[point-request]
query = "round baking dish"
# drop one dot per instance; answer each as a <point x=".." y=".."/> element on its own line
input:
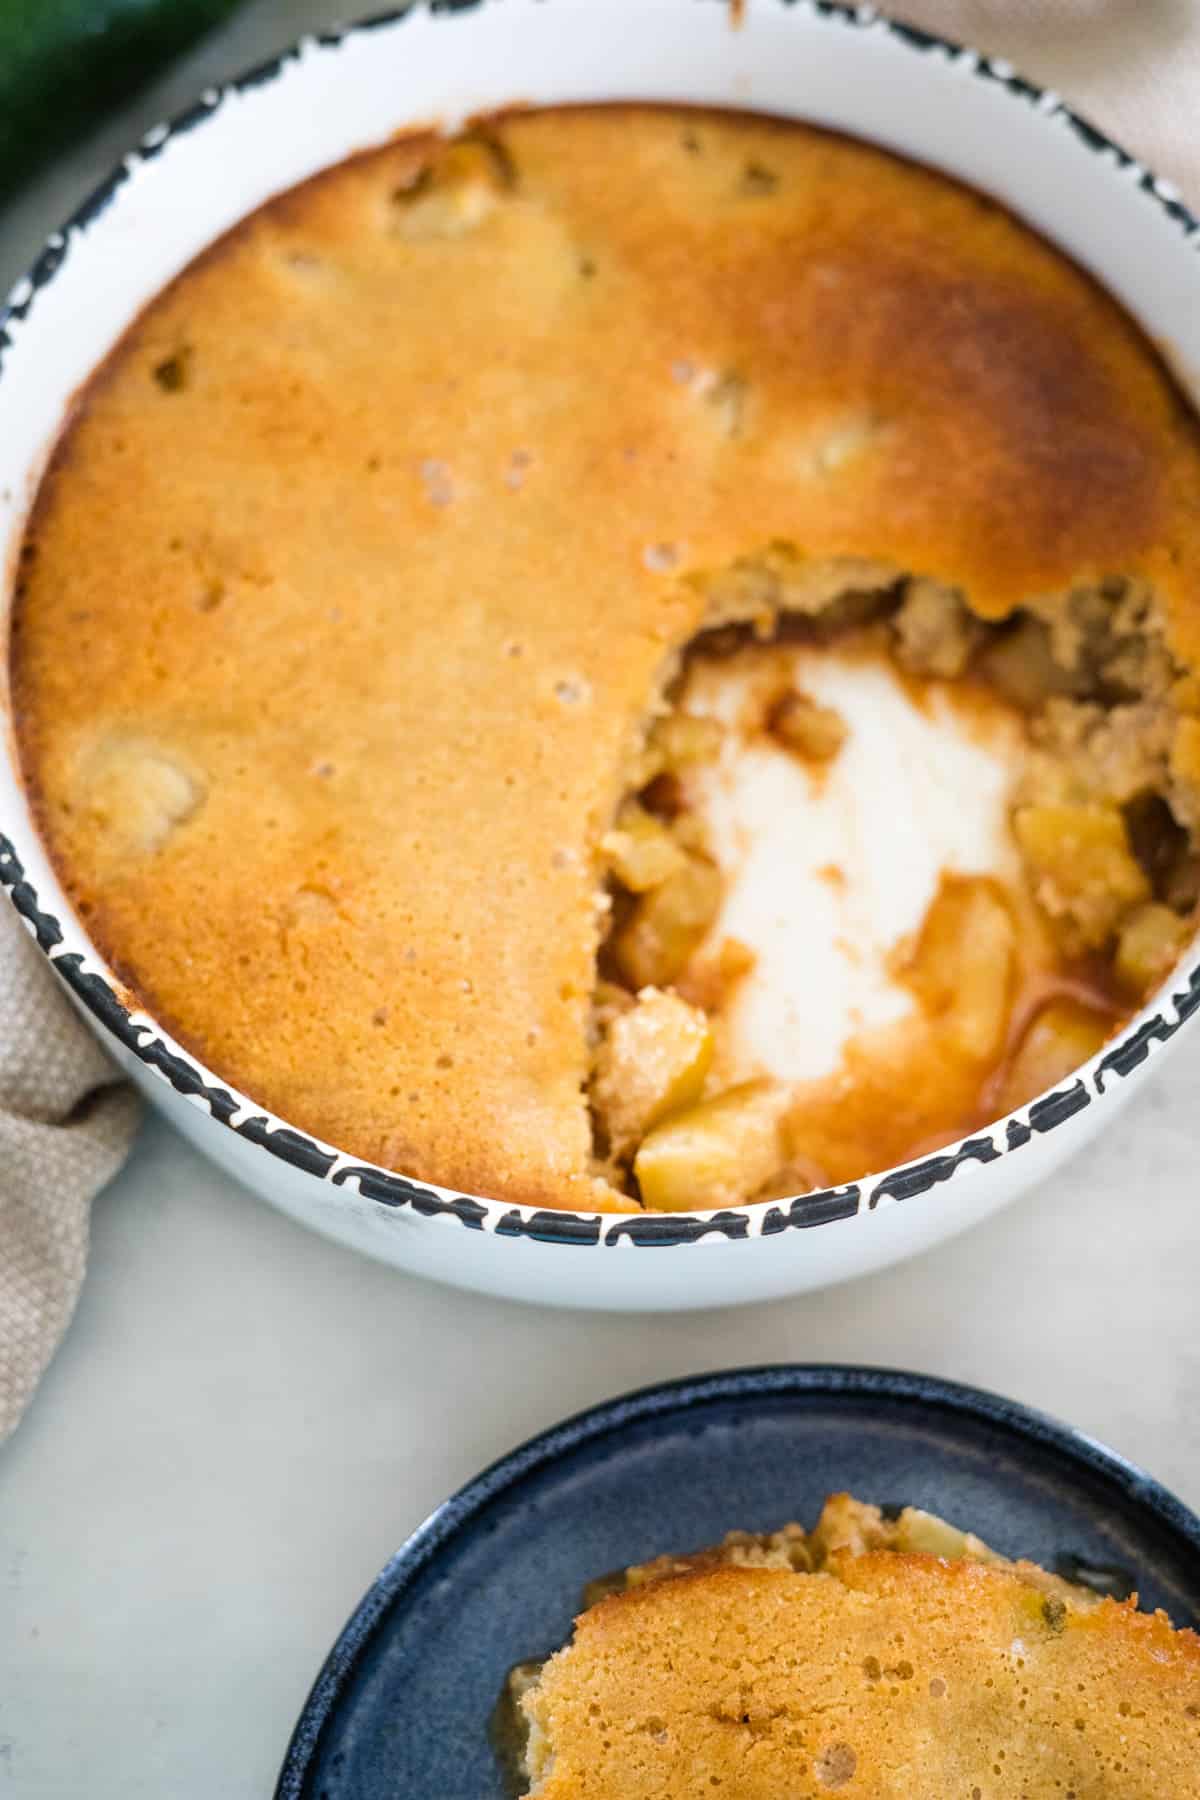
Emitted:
<point x="841" y="67"/>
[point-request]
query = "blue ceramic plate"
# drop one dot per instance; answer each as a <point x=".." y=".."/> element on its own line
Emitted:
<point x="400" y="1710"/>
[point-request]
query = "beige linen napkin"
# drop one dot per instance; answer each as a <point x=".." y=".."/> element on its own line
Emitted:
<point x="1132" y="65"/>
<point x="65" y="1126"/>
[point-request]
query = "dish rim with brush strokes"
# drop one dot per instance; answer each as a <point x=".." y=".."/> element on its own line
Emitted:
<point x="844" y="67"/>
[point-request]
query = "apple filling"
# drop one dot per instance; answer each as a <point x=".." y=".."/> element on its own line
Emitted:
<point x="882" y="872"/>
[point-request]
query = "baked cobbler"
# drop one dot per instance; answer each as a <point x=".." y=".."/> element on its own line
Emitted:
<point x="411" y="590"/>
<point x="887" y="1659"/>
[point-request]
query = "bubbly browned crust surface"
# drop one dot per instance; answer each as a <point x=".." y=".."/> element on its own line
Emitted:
<point x="891" y="1677"/>
<point x="383" y="574"/>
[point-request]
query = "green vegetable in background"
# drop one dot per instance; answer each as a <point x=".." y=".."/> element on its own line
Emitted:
<point x="63" y="63"/>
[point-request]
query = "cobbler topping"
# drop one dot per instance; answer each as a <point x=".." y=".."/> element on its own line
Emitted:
<point x="656" y="1683"/>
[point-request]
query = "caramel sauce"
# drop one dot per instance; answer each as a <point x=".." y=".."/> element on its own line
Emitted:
<point x="907" y="1089"/>
<point x="1086" y="987"/>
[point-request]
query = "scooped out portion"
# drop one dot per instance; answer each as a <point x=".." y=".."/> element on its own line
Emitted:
<point x="633" y="656"/>
<point x="889" y="1659"/>
<point x="898" y="869"/>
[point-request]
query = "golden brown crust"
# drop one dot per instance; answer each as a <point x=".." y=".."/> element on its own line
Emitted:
<point x="392" y="572"/>
<point x="892" y="1677"/>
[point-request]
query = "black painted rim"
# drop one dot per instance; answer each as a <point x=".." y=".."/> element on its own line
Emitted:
<point x="1090" y="1458"/>
<point x="89" y="981"/>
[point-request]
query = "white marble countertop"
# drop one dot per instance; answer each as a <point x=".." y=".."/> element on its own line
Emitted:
<point x="245" y="1421"/>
